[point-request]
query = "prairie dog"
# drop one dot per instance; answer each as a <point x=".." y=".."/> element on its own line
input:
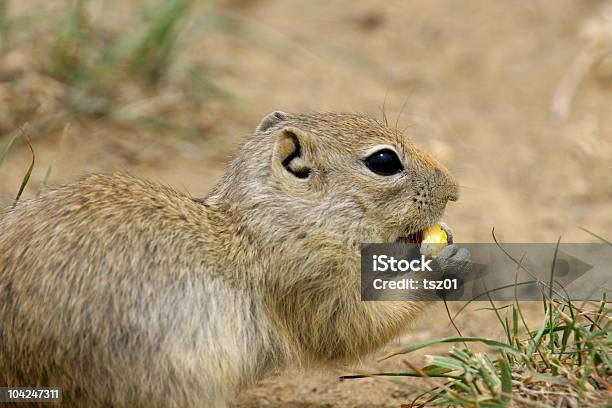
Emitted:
<point x="127" y="293"/>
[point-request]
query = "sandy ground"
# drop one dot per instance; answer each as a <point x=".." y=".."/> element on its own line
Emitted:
<point x="477" y="79"/>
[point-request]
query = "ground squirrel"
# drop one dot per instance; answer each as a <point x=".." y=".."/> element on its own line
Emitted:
<point x="127" y="293"/>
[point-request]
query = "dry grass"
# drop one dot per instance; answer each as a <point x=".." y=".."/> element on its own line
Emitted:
<point x="67" y="63"/>
<point x="566" y="362"/>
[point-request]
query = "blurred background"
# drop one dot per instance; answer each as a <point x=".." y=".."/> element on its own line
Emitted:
<point x="514" y="97"/>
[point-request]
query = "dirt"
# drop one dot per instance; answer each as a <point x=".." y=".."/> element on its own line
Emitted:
<point x="477" y="79"/>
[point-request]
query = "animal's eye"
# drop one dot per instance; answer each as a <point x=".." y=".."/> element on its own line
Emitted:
<point x="384" y="162"/>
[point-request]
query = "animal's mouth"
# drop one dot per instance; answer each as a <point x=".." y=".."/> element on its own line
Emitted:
<point x="418" y="236"/>
<point x="414" y="238"/>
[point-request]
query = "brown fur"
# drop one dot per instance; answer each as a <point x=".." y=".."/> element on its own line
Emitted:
<point x="127" y="293"/>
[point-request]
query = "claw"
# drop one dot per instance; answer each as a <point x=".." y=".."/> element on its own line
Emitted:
<point x="448" y="231"/>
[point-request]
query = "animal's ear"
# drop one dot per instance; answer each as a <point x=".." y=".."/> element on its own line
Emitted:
<point x="270" y="120"/>
<point x="292" y="153"/>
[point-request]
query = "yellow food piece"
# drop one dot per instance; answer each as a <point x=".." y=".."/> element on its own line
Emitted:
<point x="435" y="235"/>
<point x="434" y="240"/>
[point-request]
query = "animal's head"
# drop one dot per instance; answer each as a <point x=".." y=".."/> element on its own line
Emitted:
<point x="343" y="174"/>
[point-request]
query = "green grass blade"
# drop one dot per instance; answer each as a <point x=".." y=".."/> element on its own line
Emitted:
<point x="515" y="322"/>
<point x="550" y="293"/>
<point x="512" y="285"/>
<point x="520" y="265"/>
<point x="552" y="270"/>
<point x="488" y="373"/>
<point x="506" y="378"/>
<point x="450" y="364"/>
<point x="501" y="321"/>
<point x="152" y="52"/>
<point x="402" y="374"/>
<point x="43" y="184"/>
<point x="484" y="340"/>
<point x="10" y="144"/>
<point x="599" y="237"/>
<point x="460" y="355"/>
<point x="26" y="178"/>
<point x="537" y="338"/>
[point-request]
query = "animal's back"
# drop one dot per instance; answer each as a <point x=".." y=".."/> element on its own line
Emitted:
<point x="105" y="284"/>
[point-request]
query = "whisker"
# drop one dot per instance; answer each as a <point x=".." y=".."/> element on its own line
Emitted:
<point x="384" y="104"/>
<point x="463" y="186"/>
<point x="399" y="115"/>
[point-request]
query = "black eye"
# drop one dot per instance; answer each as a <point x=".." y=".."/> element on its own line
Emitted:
<point x="384" y="162"/>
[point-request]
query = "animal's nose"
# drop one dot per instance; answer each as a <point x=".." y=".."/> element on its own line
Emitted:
<point x="447" y="184"/>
